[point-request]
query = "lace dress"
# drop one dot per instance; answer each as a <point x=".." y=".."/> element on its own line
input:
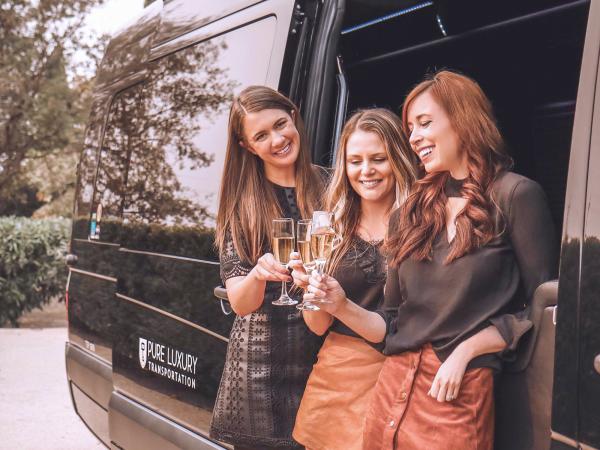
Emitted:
<point x="269" y="358"/>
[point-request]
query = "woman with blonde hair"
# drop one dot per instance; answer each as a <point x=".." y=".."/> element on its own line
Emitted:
<point x="267" y="174"/>
<point x="466" y="251"/>
<point x="374" y="170"/>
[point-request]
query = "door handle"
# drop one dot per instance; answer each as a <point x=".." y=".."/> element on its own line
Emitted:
<point x="221" y="293"/>
<point x="71" y="259"/>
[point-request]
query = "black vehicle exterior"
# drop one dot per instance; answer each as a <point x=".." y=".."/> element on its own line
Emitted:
<point x="148" y="330"/>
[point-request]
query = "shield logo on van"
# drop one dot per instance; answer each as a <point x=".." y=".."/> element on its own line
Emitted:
<point x="143" y="352"/>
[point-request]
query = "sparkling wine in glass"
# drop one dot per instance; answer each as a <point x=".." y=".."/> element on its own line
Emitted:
<point x="303" y="233"/>
<point x="323" y="240"/>
<point x="283" y="245"/>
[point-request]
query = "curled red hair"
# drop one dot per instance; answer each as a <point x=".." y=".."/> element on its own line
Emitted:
<point x="423" y="215"/>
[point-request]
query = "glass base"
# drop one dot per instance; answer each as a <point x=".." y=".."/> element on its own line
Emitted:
<point x="307" y="306"/>
<point x="284" y="301"/>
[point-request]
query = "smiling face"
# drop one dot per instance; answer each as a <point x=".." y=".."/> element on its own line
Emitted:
<point x="368" y="168"/>
<point x="272" y="135"/>
<point x="433" y="138"/>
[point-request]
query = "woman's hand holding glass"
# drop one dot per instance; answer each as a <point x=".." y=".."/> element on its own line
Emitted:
<point x="267" y="268"/>
<point x="325" y="290"/>
<point x="299" y="274"/>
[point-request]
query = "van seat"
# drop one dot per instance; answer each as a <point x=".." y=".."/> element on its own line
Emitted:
<point x="524" y="390"/>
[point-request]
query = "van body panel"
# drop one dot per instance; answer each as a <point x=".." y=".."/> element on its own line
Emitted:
<point x="90" y="384"/>
<point x="182" y="16"/>
<point x="135" y="427"/>
<point x="127" y="51"/>
<point x="95" y="417"/>
<point x="90" y="374"/>
<point x="567" y="395"/>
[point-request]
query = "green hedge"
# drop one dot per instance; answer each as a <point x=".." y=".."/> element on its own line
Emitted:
<point x="32" y="267"/>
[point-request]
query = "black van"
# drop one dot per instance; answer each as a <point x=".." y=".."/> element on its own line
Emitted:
<point x="147" y="328"/>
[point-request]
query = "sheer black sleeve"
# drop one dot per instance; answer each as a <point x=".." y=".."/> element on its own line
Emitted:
<point x="533" y="240"/>
<point x="231" y="264"/>
<point x="392" y="292"/>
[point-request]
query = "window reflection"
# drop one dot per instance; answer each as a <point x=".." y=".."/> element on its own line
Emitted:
<point x="165" y="142"/>
<point x="87" y="171"/>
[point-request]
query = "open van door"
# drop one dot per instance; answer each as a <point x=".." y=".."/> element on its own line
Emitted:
<point x="576" y="398"/>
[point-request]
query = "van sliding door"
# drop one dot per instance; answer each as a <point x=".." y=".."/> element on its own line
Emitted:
<point x="170" y="332"/>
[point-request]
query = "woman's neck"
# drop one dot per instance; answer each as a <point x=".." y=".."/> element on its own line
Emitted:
<point x="374" y="218"/>
<point x="281" y="176"/>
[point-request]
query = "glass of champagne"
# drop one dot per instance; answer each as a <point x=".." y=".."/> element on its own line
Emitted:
<point x="283" y="245"/>
<point x="322" y="240"/>
<point x="303" y="239"/>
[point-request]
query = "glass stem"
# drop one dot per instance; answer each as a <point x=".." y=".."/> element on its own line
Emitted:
<point x="284" y="289"/>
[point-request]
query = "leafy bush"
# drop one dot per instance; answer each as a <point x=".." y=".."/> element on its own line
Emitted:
<point x="32" y="267"/>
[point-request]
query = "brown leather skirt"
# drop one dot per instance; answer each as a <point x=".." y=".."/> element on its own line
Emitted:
<point x="337" y="395"/>
<point x="402" y="416"/>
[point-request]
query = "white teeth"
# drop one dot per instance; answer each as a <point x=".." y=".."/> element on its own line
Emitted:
<point x="426" y="151"/>
<point x="370" y="183"/>
<point x="283" y="151"/>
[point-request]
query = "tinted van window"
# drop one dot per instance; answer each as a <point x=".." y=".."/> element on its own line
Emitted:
<point x="120" y="140"/>
<point x="174" y="131"/>
<point x="87" y="172"/>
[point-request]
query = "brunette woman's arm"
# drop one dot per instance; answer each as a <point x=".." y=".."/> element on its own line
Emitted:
<point x="245" y="284"/>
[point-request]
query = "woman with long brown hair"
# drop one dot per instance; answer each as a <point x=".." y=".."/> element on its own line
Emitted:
<point x="374" y="171"/>
<point x="267" y="174"/>
<point x="466" y="251"/>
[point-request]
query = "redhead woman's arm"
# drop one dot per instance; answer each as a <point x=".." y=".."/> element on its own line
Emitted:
<point x="246" y="293"/>
<point x="447" y="381"/>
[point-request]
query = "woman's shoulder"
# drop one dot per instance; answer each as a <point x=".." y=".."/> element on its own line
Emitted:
<point x="508" y="184"/>
<point x="510" y="187"/>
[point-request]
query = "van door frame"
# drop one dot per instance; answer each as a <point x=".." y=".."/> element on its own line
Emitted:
<point x="565" y="405"/>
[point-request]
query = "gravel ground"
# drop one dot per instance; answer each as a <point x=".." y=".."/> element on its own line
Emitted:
<point x="35" y="407"/>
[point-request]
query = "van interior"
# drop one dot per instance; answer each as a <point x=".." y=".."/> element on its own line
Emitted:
<point x="527" y="58"/>
<point x="525" y="55"/>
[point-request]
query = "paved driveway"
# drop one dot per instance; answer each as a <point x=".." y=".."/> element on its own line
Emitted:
<point x="35" y="407"/>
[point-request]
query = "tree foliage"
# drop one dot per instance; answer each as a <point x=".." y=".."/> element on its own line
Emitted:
<point x="32" y="268"/>
<point x="41" y="110"/>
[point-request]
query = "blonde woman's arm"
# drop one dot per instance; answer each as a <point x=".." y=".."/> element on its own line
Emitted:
<point x="317" y="321"/>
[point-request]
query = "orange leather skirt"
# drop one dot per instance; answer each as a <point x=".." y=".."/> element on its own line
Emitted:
<point x="337" y="395"/>
<point x="402" y="416"/>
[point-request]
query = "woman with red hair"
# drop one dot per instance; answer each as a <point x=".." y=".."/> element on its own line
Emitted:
<point x="465" y="251"/>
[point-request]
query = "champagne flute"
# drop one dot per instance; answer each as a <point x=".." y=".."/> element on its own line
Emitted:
<point x="323" y="239"/>
<point x="283" y="245"/>
<point x="303" y="239"/>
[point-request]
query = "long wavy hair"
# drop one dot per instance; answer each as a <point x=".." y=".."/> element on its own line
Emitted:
<point x="247" y="202"/>
<point x="423" y="214"/>
<point x="341" y="198"/>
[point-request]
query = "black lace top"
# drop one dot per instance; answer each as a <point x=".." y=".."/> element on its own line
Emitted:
<point x="269" y="357"/>
<point x="361" y="274"/>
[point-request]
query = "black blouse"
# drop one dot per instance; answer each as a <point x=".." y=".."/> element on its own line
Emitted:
<point x="444" y="304"/>
<point x="361" y="273"/>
